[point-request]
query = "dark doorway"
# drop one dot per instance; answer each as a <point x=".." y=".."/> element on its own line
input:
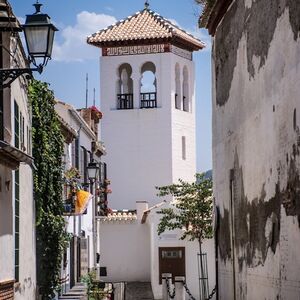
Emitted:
<point x="171" y="260"/>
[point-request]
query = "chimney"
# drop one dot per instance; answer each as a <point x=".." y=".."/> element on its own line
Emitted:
<point x="141" y="206"/>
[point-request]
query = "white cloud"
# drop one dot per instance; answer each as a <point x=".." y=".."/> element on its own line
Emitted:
<point x="73" y="46"/>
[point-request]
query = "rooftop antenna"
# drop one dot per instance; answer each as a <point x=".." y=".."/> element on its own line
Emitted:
<point x="86" y="90"/>
<point x="147" y="4"/>
<point x="94" y="102"/>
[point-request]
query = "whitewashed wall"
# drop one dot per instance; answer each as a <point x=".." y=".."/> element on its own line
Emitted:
<point x="76" y="224"/>
<point x="144" y="145"/>
<point x="125" y="250"/>
<point x="26" y="288"/>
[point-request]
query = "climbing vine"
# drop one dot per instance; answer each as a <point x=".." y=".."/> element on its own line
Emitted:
<point x="47" y="148"/>
<point x="207" y="6"/>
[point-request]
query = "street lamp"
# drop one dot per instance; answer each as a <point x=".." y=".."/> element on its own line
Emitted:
<point x="39" y="35"/>
<point x="92" y="170"/>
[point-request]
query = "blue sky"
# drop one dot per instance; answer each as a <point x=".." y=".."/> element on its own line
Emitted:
<point x="72" y="58"/>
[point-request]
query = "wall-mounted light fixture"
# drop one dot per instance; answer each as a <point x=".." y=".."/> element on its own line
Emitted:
<point x="39" y="35"/>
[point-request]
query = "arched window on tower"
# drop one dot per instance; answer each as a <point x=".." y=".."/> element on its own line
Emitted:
<point x="148" y="86"/>
<point x="185" y="90"/>
<point x="125" y="87"/>
<point x="177" y="87"/>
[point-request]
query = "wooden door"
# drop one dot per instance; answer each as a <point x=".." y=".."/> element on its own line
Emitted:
<point x="171" y="260"/>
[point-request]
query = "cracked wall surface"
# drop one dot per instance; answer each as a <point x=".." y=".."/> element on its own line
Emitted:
<point x="258" y="23"/>
<point x="256" y="149"/>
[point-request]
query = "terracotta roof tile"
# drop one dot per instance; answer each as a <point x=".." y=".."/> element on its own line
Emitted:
<point x="144" y="25"/>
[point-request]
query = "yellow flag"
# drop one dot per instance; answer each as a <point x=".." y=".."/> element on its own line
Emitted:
<point x="82" y="201"/>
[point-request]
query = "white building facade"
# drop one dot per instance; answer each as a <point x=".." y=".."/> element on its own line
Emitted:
<point x="148" y="99"/>
<point x="17" y="208"/>
<point x="80" y="129"/>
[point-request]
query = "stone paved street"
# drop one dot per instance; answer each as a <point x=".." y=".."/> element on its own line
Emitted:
<point x="78" y="292"/>
<point x="138" y="291"/>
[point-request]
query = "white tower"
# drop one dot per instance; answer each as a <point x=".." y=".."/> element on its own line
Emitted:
<point x="148" y="102"/>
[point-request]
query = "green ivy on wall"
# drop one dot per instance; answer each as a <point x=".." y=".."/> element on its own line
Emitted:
<point x="207" y="6"/>
<point x="47" y="148"/>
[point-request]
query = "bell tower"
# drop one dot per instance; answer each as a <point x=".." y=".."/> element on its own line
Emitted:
<point x="148" y="101"/>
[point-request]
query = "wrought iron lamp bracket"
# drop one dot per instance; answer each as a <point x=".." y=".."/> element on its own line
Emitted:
<point x="7" y="76"/>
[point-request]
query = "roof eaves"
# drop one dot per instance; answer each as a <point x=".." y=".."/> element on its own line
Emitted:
<point x="212" y="16"/>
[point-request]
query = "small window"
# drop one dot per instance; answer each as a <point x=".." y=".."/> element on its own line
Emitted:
<point x="17" y="125"/>
<point x="28" y="141"/>
<point x="22" y="132"/>
<point x="171" y="254"/>
<point x="76" y="153"/>
<point x="178" y="87"/>
<point x="183" y="142"/>
<point x="185" y="90"/>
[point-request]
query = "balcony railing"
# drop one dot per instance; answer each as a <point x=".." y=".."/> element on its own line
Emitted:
<point x="69" y="205"/>
<point x="125" y="101"/>
<point x="148" y="100"/>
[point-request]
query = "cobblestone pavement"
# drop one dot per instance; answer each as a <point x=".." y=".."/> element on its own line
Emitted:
<point x="78" y="292"/>
<point x="138" y="291"/>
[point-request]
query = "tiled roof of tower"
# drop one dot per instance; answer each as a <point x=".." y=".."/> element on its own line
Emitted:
<point x="145" y="26"/>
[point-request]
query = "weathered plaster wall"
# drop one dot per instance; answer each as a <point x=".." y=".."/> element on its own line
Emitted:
<point x="256" y="147"/>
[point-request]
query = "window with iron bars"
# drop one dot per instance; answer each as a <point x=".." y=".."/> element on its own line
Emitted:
<point x="148" y="100"/>
<point x="125" y="101"/>
<point x="17" y="125"/>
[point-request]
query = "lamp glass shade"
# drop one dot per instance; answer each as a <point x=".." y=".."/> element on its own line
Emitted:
<point x="92" y="170"/>
<point x="37" y="38"/>
<point x="39" y="34"/>
<point x="50" y="41"/>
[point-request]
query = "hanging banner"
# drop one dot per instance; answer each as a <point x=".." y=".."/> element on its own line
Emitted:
<point x="82" y="201"/>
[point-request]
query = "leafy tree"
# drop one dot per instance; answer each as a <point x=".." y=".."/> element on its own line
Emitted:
<point x="47" y="148"/>
<point x="191" y="211"/>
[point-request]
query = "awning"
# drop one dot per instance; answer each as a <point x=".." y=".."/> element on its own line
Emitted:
<point x="12" y="157"/>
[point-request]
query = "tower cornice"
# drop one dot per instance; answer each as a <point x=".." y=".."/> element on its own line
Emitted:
<point x="144" y="28"/>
